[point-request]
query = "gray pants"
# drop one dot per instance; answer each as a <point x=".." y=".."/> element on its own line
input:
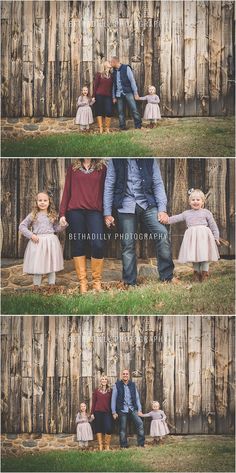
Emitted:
<point x="38" y="279"/>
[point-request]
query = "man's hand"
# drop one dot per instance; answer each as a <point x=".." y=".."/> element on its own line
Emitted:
<point x="109" y="221"/>
<point x="140" y="414"/>
<point x="115" y="416"/>
<point x="35" y="238"/>
<point x="114" y="100"/>
<point x="163" y="217"/>
<point x="63" y="221"/>
<point x="136" y="96"/>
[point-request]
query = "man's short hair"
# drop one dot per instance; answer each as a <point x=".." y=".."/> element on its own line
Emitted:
<point x="115" y="58"/>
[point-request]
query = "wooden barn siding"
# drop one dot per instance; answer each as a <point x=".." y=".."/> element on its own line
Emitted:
<point x="50" y="364"/>
<point x="50" y="49"/>
<point x="23" y="178"/>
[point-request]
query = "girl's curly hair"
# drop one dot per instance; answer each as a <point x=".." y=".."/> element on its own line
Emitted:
<point x="51" y="211"/>
<point x="96" y="163"/>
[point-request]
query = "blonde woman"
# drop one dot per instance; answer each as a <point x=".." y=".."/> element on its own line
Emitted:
<point x="101" y="409"/>
<point x="102" y="93"/>
<point x="82" y="206"/>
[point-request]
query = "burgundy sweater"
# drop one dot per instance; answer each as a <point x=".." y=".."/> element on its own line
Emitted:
<point x="83" y="191"/>
<point x="101" y="402"/>
<point x="102" y="85"/>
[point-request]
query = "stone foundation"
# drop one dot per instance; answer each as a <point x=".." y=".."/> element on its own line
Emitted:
<point x="23" y="444"/>
<point x="26" y="126"/>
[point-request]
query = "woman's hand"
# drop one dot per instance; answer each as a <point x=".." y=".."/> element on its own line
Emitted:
<point x="115" y="416"/>
<point x="109" y="221"/>
<point x="35" y="238"/>
<point x="63" y="221"/>
<point x="114" y="100"/>
<point x="92" y="417"/>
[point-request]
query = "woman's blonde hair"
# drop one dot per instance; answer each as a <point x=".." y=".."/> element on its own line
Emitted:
<point x="103" y="68"/>
<point x="193" y="192"/>
<point x="96" y="163"/>
<point x="51" y="211"/>
<point x="107" y="385"/>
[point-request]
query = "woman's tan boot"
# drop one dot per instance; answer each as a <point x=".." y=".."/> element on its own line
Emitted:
<point x="107" y="124"/>
<point x="99" y="439"/>
<point x="107" y="441"/>
<point x="97" y="269"/>
<point x="81" y="271"/>
<point x="99" y="122"/>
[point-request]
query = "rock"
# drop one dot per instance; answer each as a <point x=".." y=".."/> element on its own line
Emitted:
<point x="43" y="128"/>
<point x="64" y="436"/>
<point x="36" y="436"/>
<point x="31" y="127"/>
<point x="12" y="436"/>
<point x="12" y="120"/>
<point x="63" y="119"/>
<point x="22" y="281"/>
<point x="8" y="128"/>
<point x="5" y="273"/>
<point x="37" y="119"/>
<point x="73" y="127"/>
<point x="29" y="443"/>
<point x="147" y="271"/>
<point x="7" y="444"/>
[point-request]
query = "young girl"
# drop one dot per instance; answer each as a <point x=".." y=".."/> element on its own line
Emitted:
<point x="43" y="254"/>
<point x="159" y="426"/>
<point x="201" y="238"/>
<point x="84" y="431"/>
<point x="152" y="110"/>
<point x="84" y="116"/>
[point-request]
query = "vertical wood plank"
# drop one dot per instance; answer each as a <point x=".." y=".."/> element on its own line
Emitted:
<point x="15" y="375"/>
<point x="179" y="201"/>
<point x="6" y="55"/>
<point x="190" y="59"/>
<point x="227" y="61"/>
<point x="16" y="61"/>
<point x="165" y="58"/>
<point x="112" y="38"/>
<point x="112" y="348"/>
<point x="215" y="46"/>
<point x="9" y="202"/>
<point x="181" y="376"/>
<point x="75" y="54"/>
<point x="203" y="99"/>
<point x="5" y="372"/>
<point x="194" y="367"/>
<point x="231" y="389"/>
<point x="177" y="59"/>
<point x="28" y="171"/>
<point x="38" y="374"/>
<point x="169" y="368"/>
<point x="221" y="372"/>
<point x="52" y="60"/>
<point x="208" y="376"/>
<point x="39" y="59"/>
<point x="50" y="382"/>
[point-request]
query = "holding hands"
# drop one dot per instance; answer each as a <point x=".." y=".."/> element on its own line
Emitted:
<point x="163" y="217"/>
<point x="63" y="221"/>
<point x="109" y="221"/>
<point x="115" y="416"/>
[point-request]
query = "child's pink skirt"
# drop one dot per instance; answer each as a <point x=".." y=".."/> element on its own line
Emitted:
<point x="198" y="245"/>
<point x="43" y="257"/>
<point x="159" y="428"/>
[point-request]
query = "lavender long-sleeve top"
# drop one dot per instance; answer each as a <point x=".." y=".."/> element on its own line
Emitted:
<point x="83" y="101"/>
<point x="80" y="419"/>
<point x="42" y="225"/>
<point x="156" y="415"/>
<point x="150" y="98"/>
<point x="197" y="217"/>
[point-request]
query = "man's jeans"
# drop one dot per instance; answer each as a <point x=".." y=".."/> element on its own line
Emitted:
<point x="123" y="417"/>
<point x="121" y="103"/>
<point x="128" y="229"/>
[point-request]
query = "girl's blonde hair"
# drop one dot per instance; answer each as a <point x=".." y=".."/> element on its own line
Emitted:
<point x="108" y="388"/>
<point x="152" y="87"/>
<point x="96" y="163"/>
<point x="51" y="211"/>
<point x="155" y="402"/>
<point x="193" y="192"/>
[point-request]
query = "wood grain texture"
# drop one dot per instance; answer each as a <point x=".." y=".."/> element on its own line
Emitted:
<point x="50" y="49"/>
<point x="186" y="363"/>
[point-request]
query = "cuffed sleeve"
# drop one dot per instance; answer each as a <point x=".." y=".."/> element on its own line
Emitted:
<point x="132" y="81"/>
<point x="212" y="225"/>
<point x="109" y="189"/>
<point x="66" y="193"/>
<point x="24" y="227"/>
<point x="159" y="189"/>
<point x="176" y="218"/>
<point x="113" y="399"/>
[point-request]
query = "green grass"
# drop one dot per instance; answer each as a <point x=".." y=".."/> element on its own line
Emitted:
<point x="184" y="454"/>
<point x="190" y="137"/>
<point x="215" y="296"/>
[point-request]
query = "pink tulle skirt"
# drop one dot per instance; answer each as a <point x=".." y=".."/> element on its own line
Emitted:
<point x="198" y="245"/>
<point x="43" y="257"/>
<point x="159" y="428"/>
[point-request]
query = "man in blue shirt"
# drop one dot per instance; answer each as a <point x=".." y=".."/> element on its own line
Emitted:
<point x="125" y="92"/>
<point x="134" y="188"/>
<point x="125" y="403"/>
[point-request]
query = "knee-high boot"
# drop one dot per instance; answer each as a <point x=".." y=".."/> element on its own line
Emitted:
<point x="81" y="271"/>
<point x="97" y="269"/>
<point x="99" y="122"/>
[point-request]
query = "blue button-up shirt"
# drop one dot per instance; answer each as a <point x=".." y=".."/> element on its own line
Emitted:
<point x="128" y="405"/>
<point x="134" y="190"/>
<point x="119" y="89"/>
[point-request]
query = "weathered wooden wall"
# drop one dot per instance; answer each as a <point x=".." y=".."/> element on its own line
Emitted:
<point x="50" y="49"/>
<point x="50" y="364"/>
<point x="23" y="178"/>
